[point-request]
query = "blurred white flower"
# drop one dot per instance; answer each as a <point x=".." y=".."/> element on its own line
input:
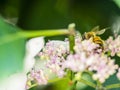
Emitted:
<point x="14" y="82"/>
<point x="33" y="46"/>
<point x="17" y="81"/>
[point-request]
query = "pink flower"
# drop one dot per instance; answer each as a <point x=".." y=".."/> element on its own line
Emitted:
<point x="78" y="62"/>
<point x="55" y="52"/>
<point x="104" y="67"/>
<point x="86" y="46"/>
<point x="37" y="76"/>
<point x="87" y="56"/>
<point x="113" y="46"/>
<point x="55" y="48"/>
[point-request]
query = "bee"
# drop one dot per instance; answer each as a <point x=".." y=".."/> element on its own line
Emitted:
<point x="93" y="35"/>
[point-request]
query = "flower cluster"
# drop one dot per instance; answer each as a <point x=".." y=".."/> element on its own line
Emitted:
<point x="55" y="55"/>
<point x="113" y="45"/>
<point x="87" y="56"/>
<point x="36" y="76"/>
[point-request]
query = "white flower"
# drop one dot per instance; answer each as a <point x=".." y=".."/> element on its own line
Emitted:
<point x="17" y="81"/>
<point x="14" y="82"/>
<point x="33" y="46"/>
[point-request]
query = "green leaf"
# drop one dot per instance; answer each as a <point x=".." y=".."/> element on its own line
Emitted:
<point x="82" y="86"/>
<point x="57" y="84"/>
<point x="117" y="2"/>
<point x="112" y="80"/>
<point x="11" y="53"/>
<point x="63" y="84"/>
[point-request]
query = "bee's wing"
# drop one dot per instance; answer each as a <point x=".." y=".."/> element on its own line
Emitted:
<point x="95" y="29"/>
<point x="102" y="31"/>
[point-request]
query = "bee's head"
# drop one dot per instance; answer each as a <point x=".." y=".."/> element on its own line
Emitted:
<point x="88" y="35"/>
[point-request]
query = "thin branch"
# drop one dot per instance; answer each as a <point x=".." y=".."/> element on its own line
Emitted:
<point x="113" y="86"/>
<point x="28" y="34"/>
<point x="87" y="83"/>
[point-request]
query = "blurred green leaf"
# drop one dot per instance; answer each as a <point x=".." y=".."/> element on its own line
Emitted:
<point x="117" y="2"/>
<point x="63" y="84"/>
<point x="11" y="53"/>
<point x="60" y="84"/>
<point x="112" y="80"/>
<point x="82" y="86"/>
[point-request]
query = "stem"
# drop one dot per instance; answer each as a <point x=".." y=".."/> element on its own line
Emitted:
<point x="9" y="38"/>
<point x="113" y="86"/>
<point x="99" y="84"/>
<point x="71" y="29"/>
<point x="90" y="73"/>
<point x="49" y="81"/>
<point x="28" y="34"/>
<point x="71" y="40"/>
<point x="34" y="85"/>
<point x="87" y="83"/>
<point x="56" y="79"/>
<point x="74" y="86"/>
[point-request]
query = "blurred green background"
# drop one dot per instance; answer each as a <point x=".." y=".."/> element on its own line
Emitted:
<point x="54" y="14"/>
